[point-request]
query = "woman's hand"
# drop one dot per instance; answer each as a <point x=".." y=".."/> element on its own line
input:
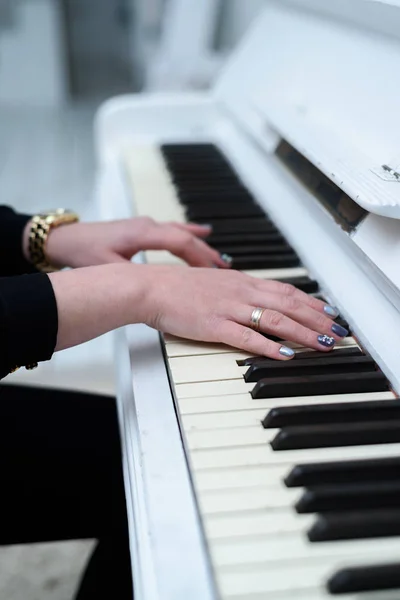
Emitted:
<point x="87" y="244"/>
<point x="200" y="304"/>
<point x="216" y="306"/>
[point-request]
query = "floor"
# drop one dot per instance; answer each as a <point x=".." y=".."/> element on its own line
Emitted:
<point x="47" y="161"/>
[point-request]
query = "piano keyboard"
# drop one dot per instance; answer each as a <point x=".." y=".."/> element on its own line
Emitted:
<point x="295" y="464"/>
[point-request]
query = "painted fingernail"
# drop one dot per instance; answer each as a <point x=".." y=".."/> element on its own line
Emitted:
<point x="326" y="340"/>
<point x="285" y="351"/>
<point x="227" y="259"/>
<point x="206" y="225"/>
<point x="339" y="330"/>
<point x="331" y="311"/>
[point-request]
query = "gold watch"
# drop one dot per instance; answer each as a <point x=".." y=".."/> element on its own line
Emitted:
<point x="41" y="226"/>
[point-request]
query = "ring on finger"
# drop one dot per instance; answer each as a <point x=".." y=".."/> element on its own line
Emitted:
<point x="256" y="318"/>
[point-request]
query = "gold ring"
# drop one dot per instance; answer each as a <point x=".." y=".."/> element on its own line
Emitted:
<point x="256" y="318"/>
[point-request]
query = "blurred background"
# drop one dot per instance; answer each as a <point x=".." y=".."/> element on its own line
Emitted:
<point x="59" y="60"/>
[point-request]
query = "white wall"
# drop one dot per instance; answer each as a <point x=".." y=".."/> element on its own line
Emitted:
<point x="32" y="65"/>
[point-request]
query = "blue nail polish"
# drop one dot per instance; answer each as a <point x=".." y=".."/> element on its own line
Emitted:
<point x="227" y="258"/>
<point x="285" y="351"/>
<point x="331" y="311"/>
<point x="326" y="340"/>
<point x="339" y="330"/>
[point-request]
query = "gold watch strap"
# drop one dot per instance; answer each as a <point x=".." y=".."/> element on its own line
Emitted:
<point x="39" y="233"/>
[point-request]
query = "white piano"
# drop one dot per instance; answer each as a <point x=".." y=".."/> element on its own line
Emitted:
<point x="306" y="118"/>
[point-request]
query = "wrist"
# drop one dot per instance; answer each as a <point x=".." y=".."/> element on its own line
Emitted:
<point x="61" y="243"/>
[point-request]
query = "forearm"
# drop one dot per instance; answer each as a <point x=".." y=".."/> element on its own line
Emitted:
<point x="94" y="300"/>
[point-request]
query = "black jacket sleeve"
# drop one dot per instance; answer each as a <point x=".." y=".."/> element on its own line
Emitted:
<point x="28" y="309"/>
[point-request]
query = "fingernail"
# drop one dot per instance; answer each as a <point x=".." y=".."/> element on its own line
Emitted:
<point x="326" y="340"/>
<point x="331" y="311"/>
<point x="227" y="258"/>
<point x="285" y="351"/>
<point x="339" y="330"/>
<point x="206" y="225"/>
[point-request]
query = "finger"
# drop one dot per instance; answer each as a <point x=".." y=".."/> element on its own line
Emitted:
<point x="296" y="309"/>
<point x="276" y="323"/>
<point x="252" y="342"/>
<point x="285" y="289"/>
<point x="201" y="231"/>
<point x="194" y="251"/>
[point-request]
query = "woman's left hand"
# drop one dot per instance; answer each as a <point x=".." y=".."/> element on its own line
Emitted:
<point x="87" y="244"/>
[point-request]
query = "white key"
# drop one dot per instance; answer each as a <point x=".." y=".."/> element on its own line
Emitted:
<point x="245" y="582"/>
<point x="233" y="525"/>
<point x="242" y="410"/>
<point x="178" y="347"/>
<point x="236" y="437"/>
<point x="213" y="388"/>
<point x="245" y="500"/>
<point x="278" y="273"/>
<point x="264" y="455"/>
<point x="189" y="369"/>
<point x="291" y="548"/>
<point x="241" y="477"/>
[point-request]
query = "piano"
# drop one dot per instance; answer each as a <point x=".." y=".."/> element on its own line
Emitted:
<point x="245" y="479"/>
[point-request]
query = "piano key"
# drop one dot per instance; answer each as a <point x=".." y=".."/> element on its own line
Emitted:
<point x="199" y="368"/>
<point x="279" y="550"/>
<point x="337" y="434"/>
<point x="304" y="580"/>
<point x="245" y="500"/>
<point x="319" y="366"/>
<point x="241" y="477"/>
<point x="275" y="273"/>
<point x="254" y="523"/>
<point x="265" y="261"/>
<point x="337" y="352"/>
<point x="353" y="412"/>
<point x="305" y="284"/>
<point x="357" y="496"/>
<point x="234" y="239"/>
<point x="365" y="579"/>
<point x="319" y="384"/>
<point x="250" y="225"/>
<point x="264" y="455"/>
<point x="209" y="212"/>
<point x="355" y="525"/>
<point x="384" y="469"/>
<point x="227" y="405"/>
<point x="256" y="249"/>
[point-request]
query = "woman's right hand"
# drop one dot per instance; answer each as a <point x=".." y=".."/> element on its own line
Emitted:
<point x="216" y="306"/>
<point x="209" y="305"/>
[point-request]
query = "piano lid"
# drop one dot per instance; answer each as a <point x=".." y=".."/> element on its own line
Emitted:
<point x="325" y="79"/>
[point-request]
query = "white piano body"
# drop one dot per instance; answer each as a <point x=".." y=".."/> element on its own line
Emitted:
<point x="324" y="78"/>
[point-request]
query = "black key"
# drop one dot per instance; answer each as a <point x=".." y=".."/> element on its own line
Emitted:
<point x="315" y="385"/>
<point x="342" y="412"/>
<point x="221" y="195"/>
<point x="219" y="241"/>
<point x="309" y="286"/>
<point x="253" y="225"/>
<point x="257" y="249"/>
<point x="220" y="211"/>
<point x="264" y="261"/>
<point x="365" y="579"/>
<point x="329" y="364"/>
<point x="355" y="525"/>
<point x="346" y="471"/>
<point x="337" y="435"/>
<point x="341" y="498"/>
<point x="314" y="354"/>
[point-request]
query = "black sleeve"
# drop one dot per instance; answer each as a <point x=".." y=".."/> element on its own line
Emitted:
<point x="28" y="321"/>
<point x="12" y="260"/>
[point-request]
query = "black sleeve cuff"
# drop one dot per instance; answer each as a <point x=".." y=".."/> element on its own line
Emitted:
<point x="12" y="259"/>
<point x="28" y="321"/>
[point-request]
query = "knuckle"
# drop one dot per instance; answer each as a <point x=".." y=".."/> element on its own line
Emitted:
<point x="322" y="324"/>
<point x="273" y="319"/>
<point x="288" y="290"/>
<point x="291" y="304"/>
<point x="247" y="338"/>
